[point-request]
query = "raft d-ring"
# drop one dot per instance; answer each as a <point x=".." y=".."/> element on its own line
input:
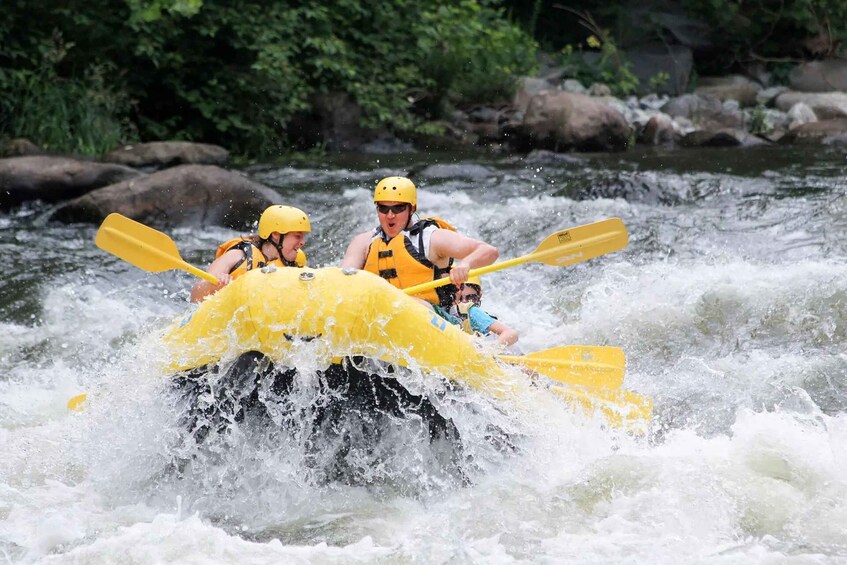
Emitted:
<point x="270" y="268"/>
<point x="307" y="276"/>
<point x="349" y="271"/>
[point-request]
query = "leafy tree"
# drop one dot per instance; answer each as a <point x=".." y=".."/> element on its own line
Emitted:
<point x="236" y="72"/>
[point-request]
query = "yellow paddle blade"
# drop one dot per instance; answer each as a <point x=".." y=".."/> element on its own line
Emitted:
<point x="565" y="247"/>
<point x="77" y="403"/>
<point x="620" y="408"/>
<point x="144" y="247"/>
<point x="592" y="366"/>
<point x="582" y="243"/>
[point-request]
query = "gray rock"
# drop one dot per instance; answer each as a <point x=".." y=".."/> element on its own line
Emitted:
<point x="691" y="105"/>
<point x="186" y="194"/>
<point x="464" y="170"/>
<point x="819" y="76"/>
<point x="573" y="85"/>
<point x="162" y="154"/>
<point x="658" y="130"/>
<point x="733" y="87"/>
<point x="767" y="96"/>
<point x="823" y="132"/>
<point x="52" y="179"/>
<point x="599" y="89"/>
<point x="527" y="88"/>
<point x="826" y="105"/>
<point x="800" y="114"/>
<point x="563" y="120"/>
<point x="20" y="147"/>
<point x="720" y="138"/>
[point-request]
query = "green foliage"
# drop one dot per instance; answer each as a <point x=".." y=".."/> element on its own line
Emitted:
<point x="773" y="31"/>
<point x="610" y="68"/>
<point x="83" y="114"/>
<point x="241" y="72"/>
<point x="658" y="80"/>
<point x="758" y="121"/>
<point x="470" y="55"/>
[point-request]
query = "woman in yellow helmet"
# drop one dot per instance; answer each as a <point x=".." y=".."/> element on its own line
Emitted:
<point x="282" y="232"/>
<point x="407" y="252"/>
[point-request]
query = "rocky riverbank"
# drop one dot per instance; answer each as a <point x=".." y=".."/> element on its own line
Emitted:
<point x="172" y="182"/>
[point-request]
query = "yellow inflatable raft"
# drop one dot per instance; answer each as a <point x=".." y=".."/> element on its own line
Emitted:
<point x="348" y="313"/>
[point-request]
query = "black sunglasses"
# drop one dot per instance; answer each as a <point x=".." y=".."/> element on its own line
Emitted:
<point x="470" y="298"/>
<point x="397" y="208"/>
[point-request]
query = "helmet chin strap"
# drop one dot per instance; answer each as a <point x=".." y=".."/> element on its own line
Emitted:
<point x="277" y="246"/>
<point x="412" y="210"/>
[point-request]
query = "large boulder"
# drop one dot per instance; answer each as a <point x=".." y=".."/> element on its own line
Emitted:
<point x="733" y="87"/>
<point x="825" y="132"/>
<point x="187" y="194"/>
<point x="726" y="137"/>
<point x="162" y="154"/>
<point x="658" y="130"/>
<point x="706" y="111"/>
<point x="819" y="76"/>
<point x="52" y="179"/>
<point x="21" y="147"/>
<point x="563" y="120"/>
<point x="826" y="105"/>
<point x="526" y="89"/>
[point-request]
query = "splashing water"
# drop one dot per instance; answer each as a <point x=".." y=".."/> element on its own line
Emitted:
<point x="730" y="302"/>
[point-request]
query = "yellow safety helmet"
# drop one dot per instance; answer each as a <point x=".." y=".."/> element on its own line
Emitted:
<point x="396" y="189"/>
<point x="283" y="219"/>
<point x="474" y="280"/>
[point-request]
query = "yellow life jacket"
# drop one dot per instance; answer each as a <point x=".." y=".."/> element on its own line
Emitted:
<point x="402" y="260"/>
<point x="254" y="258"/>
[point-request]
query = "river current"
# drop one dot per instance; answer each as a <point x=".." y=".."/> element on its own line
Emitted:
<point x="730" y="302"/>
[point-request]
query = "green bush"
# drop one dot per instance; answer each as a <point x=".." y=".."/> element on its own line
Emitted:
<point x="471" y="55"/>
<point x="81" y="114"/>
<point x="774" y="31"/>
<point x="237" y="72"/>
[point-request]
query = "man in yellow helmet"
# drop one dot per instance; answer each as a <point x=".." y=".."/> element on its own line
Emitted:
<point x="282" y="232"/>
<point x="406" y="252"/>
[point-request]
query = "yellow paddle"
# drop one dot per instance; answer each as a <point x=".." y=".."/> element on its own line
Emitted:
<point x="621" y="408"/>
<point x="153" y="251"/>
<point x="565" y="247"/>
<point x="583" y="365"/>
<point x="77" y="403"/>
<point x="143" y="246"/>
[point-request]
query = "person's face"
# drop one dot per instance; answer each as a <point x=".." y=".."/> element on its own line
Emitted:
<point x="468" y="293"/>
<point x="293" y="241"/>
<point x="393" y="216"/>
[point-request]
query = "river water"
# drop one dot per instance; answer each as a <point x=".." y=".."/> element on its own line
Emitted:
<point x="730" y="302"/>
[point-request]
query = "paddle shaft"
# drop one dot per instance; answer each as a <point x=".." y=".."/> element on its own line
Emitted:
<point x="536" y="256"/>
